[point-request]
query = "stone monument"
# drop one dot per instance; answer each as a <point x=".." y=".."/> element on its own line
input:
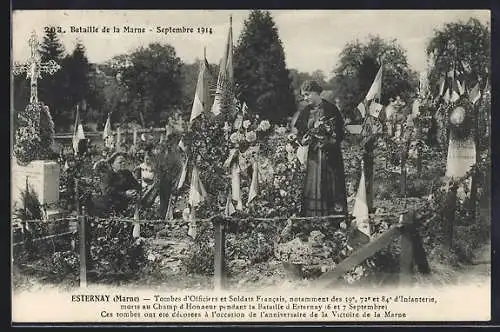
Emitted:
<point x="28" y="165"/>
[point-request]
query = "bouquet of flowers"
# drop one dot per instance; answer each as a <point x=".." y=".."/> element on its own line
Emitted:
<point x="248" y="132"/>
<point x="320" y="132"/>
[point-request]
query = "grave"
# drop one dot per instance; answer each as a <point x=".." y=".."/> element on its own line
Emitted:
<point x="42" y="176"/>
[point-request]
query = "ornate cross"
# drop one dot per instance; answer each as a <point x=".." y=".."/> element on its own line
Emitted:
<point x="34" y="67"/>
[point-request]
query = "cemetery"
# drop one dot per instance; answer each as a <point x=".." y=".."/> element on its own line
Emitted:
<point x="224" y="205"/>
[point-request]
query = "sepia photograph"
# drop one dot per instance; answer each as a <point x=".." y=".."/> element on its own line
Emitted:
<point x="250" y="165"/>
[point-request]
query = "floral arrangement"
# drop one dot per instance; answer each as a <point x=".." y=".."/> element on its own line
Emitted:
<point x="34" y="135"/>
<point x="247" y="136"/>
<point x="320" y="132"/>
<point x="460" y="118"/>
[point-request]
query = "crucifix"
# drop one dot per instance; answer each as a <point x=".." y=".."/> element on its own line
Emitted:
<point x="34" y="67"/>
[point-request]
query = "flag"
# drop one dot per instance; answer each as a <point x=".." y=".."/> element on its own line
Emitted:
<point x="455" y="91"/>
<point x="360" y="210"/>
<point x="375" y="109"/>
<point x="223" y="93"/>
<point x="107" y="134"/>
<point x="254" y="185"/>
<point x="197" y="191"/>
<point x="376" y="88"/>
<point x="229" y="207"/>
<point x="442" y="82"/>
<point x="235" y="186"/>
<point x="182" y="178"/>
<point x="78" y="133"/>
<point x="362" y="110"/>
<point x="201" y="96"/>
<point x="475" y="94"/>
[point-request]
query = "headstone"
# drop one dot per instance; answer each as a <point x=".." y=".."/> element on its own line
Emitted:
<point x="43" y="176"/>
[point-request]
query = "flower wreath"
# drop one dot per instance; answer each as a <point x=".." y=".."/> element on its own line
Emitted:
<point x="460" y="118"/>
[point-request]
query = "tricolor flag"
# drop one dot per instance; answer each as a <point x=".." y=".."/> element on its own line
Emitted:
<point x="78" y="133"/>
<point x="376" y="88"/>
<point x="197" y="191"/>
<point x="254" y="185"/>
<point x="360" y="210"/>
<point x="229" y="207"/>
<point x="475" y="94"/>
<point x="201" y="97"/>
<point x="224" y="91"/>
<point x="107" y="134"/>
<point x="235" y="186"/>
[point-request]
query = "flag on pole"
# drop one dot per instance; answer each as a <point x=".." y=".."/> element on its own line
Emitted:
<point x="229" y="206"/>
<point x="376" y="88"/>
<point x="442" y="82"/>
<point x="78" y="133"/>
<point x="362" y="110"/>
<point x="107" y="134"/>
<point x="254" y="185"/>
<point x="224" y="91"/>
<point x="197" y="191"/>
<point x="475" y="93"/>
<point x="235" y="186"/>
<point x="360" y="210"/>
<point x="201" y="96"/>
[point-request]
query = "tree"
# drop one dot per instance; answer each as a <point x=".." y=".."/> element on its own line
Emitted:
<point x="52" y="88"/>
<point x="153" y="81"/>
<point x="77" y="71"/>
<point x="358" y="66"/>
<point x="262" y="80"/>
<point x="461" y="46"/>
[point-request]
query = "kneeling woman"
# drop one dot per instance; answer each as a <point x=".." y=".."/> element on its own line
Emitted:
<point x="118" y="188"/>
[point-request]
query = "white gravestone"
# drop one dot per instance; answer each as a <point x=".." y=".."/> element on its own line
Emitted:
<point x="42" y="175"/>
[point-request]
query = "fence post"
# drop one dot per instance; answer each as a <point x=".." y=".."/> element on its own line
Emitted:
<point x="406" y="243"/>
<point x="136" y="231"/>
<point x="219" y="256"/>
<point x="449" y="215"/>
<point x="82" y="220"/>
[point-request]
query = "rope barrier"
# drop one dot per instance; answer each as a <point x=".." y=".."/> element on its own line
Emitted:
<point x="334" y="216"/>
<point x="48" y="237"/>
<point x="47" y="220"/>
<point x="210" y="219"/>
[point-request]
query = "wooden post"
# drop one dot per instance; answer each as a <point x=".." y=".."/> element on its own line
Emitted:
<point x="404" y="157"/>
<point x="82" y="220"/>
<point x="473" y="185"/>
<point x="368" y="168"/>
<point x="407" y="254"/>
<point x="77" y="196"/>
<point x="118" y="146"/>
<point x="135" y="139"/>
<point x="136" y="231"/>
<point x="219" y="256"/>
<point x="449" y="216"/>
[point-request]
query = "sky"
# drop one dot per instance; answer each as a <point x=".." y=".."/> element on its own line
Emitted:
<point x="312" y="39"/>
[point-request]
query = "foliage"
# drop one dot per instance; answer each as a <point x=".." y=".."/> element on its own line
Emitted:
<point x="114" y="253"/>
<point x="261" y="77"/>
<point x="463" y="46"/>
<point x="359" y="63"/>
<point x="200" y="258"/>
<point x="34" y="134"/>
<point x="31" y="208"/>
<point x="153" y="83"/>
<point x="76" y="71"/>
<point x="53" y="88"/>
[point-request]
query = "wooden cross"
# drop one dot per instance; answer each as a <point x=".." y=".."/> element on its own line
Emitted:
<point x="34" y="67"/>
